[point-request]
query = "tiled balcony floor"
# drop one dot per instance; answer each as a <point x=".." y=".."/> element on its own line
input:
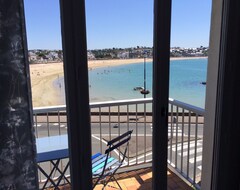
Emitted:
<point x="141" y="180"/>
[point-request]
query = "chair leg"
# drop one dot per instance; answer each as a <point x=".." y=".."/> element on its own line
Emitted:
<point x="117" y="183"/>
<point x="94" y="185"/>
<point x="112" y="176"/>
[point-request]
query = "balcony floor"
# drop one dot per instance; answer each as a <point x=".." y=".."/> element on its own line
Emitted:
<point x="141" y="180"/>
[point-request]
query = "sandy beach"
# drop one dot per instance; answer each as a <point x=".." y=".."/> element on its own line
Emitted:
<point x="43" y="75"/>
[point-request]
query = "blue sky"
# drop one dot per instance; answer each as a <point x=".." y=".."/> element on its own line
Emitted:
<point x="119" y="23"/>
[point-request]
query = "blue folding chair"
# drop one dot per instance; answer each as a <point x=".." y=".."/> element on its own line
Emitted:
<point x="104" y="166"/>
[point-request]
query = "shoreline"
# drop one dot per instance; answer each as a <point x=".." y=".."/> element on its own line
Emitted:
<point x="45" y="93"/>
<point x="92" y="64"/>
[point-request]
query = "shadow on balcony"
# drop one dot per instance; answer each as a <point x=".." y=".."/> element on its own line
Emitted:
<point x="140" y="180"/>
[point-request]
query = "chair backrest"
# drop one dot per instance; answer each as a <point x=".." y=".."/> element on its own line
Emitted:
<point x="119" y="141"/>
<point x="110" y="161"/>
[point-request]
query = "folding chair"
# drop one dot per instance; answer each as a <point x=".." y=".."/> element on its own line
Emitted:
<point x="104" y="166"/>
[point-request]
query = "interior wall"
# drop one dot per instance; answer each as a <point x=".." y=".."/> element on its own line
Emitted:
<point x="211" y="93"/>
<point x="221" y="153"/>
<point x="226" y="165"/>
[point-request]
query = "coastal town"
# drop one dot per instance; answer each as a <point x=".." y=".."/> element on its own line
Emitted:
<point x="45" y="56"/>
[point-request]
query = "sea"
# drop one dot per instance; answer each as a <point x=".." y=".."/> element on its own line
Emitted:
<point x="118" y="82"/>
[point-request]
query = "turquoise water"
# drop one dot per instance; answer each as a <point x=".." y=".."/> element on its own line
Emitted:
<point x="117" y="83"/>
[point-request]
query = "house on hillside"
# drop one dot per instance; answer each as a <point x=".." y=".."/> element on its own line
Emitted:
<point x="90" y="55"/>
<point x="32" y="57"/>
<point x="123" y="55"/>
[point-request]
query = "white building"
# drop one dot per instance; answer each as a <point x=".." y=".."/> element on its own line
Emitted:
<point x="123" y="55"/>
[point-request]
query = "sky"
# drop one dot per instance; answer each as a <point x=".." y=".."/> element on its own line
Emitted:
<point x="119" y="23"/>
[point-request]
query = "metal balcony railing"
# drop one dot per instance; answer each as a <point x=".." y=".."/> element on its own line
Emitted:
<point x="185" y="131"/>
<point x="110" y="119"/>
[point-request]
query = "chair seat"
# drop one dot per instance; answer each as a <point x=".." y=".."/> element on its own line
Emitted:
<point x="98" y="162"/>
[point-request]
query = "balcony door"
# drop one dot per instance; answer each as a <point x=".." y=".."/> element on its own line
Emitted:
<point x="75" y="63"/>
